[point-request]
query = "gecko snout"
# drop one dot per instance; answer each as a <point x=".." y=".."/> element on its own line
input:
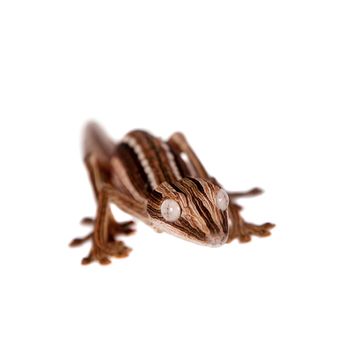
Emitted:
<point x="218" y="239"/>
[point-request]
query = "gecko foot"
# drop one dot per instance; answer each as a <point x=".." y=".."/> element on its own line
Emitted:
<point x="91" y="258"/>
<point x="249" y="230"/>
<point x="116" y="228"/>
<point x="112" y="247"/>
<point x="116" y="249"/>
<point x="80" y="240"/>
<point x="243" y="230"/>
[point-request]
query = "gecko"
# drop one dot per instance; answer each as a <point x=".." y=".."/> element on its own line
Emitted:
<point x="164" y="185"/>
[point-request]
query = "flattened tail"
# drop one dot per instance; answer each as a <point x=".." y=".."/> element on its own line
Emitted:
<point x="96" y="141"/>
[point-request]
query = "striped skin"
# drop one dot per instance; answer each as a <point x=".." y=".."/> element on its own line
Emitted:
<point x="145" y="168"/>
<point x="138" y="174"/>
<point x="201" y="220"/>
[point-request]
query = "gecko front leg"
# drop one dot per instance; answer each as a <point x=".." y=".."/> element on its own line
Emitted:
<point x="104" y="244"/>
<point x="239" y="228"/>
<point x="104" y="241"/>
<point x="243" y="230"/>
<point x="106" y="228"/>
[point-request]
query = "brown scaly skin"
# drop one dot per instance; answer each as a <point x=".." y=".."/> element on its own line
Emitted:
<point x="118" y="177"/>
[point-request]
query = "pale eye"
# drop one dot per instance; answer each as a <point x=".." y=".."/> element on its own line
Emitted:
<point x="222" y="200"/>
<point x="170" y="210"/>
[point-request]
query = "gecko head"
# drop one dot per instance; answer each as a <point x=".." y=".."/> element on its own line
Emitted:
<point x="192" y="209"/>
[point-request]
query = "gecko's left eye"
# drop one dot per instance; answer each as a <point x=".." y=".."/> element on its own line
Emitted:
<point x="222" y="200"/>
<point x="170" y="210"/>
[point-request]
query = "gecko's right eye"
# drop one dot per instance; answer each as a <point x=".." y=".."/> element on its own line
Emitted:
<point x="170" y="210"/>
<point x="222" y="200"/>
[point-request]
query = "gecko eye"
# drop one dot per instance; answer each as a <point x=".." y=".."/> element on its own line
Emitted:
<point x="170" y="210"/>
<point x="222" y="200"/>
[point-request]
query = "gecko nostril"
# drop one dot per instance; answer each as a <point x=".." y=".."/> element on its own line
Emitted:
<point x="224" y="238"/>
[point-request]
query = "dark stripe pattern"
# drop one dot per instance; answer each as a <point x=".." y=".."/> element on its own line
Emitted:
<point x="134" y="169"/>
<point x="152" y="173"/>
<point x="152" y="149"/>
<point x="201" y="220"/>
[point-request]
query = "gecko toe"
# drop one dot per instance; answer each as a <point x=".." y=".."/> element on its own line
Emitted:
<point x="123" y="228"/>
<point x="87" y="221"/>
<point x="244" y="238"/>
<point x="87" y="260"/>
<point x="76" y="242"/>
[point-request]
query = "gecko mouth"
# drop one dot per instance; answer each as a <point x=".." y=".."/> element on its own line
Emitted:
<point x="218" y="240"/>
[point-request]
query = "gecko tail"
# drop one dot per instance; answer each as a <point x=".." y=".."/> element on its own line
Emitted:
<point x="95" y="140"/>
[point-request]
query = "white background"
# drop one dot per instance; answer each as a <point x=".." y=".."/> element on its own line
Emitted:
<point x="260" y="88"/>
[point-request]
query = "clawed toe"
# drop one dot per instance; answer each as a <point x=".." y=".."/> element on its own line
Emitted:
<point x="256" y="230"/>
<point x="244" y="238"/>
<point x="87" y="260"/>
<point x="104" y="261"/>
<point x="253" y="192"/>
<point x="265" y="229"/>
<point x="90" y="258"/>
<point x="125" y="228"/>
<point x="119" y="250"/>
<point x="79" y="241"/>
<point x="87" y="221"/>
<point x="116" y="249"/>
<point x="112" y="247"/>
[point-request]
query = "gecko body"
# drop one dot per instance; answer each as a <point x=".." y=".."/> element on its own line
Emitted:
<point x="163" y="184"/>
